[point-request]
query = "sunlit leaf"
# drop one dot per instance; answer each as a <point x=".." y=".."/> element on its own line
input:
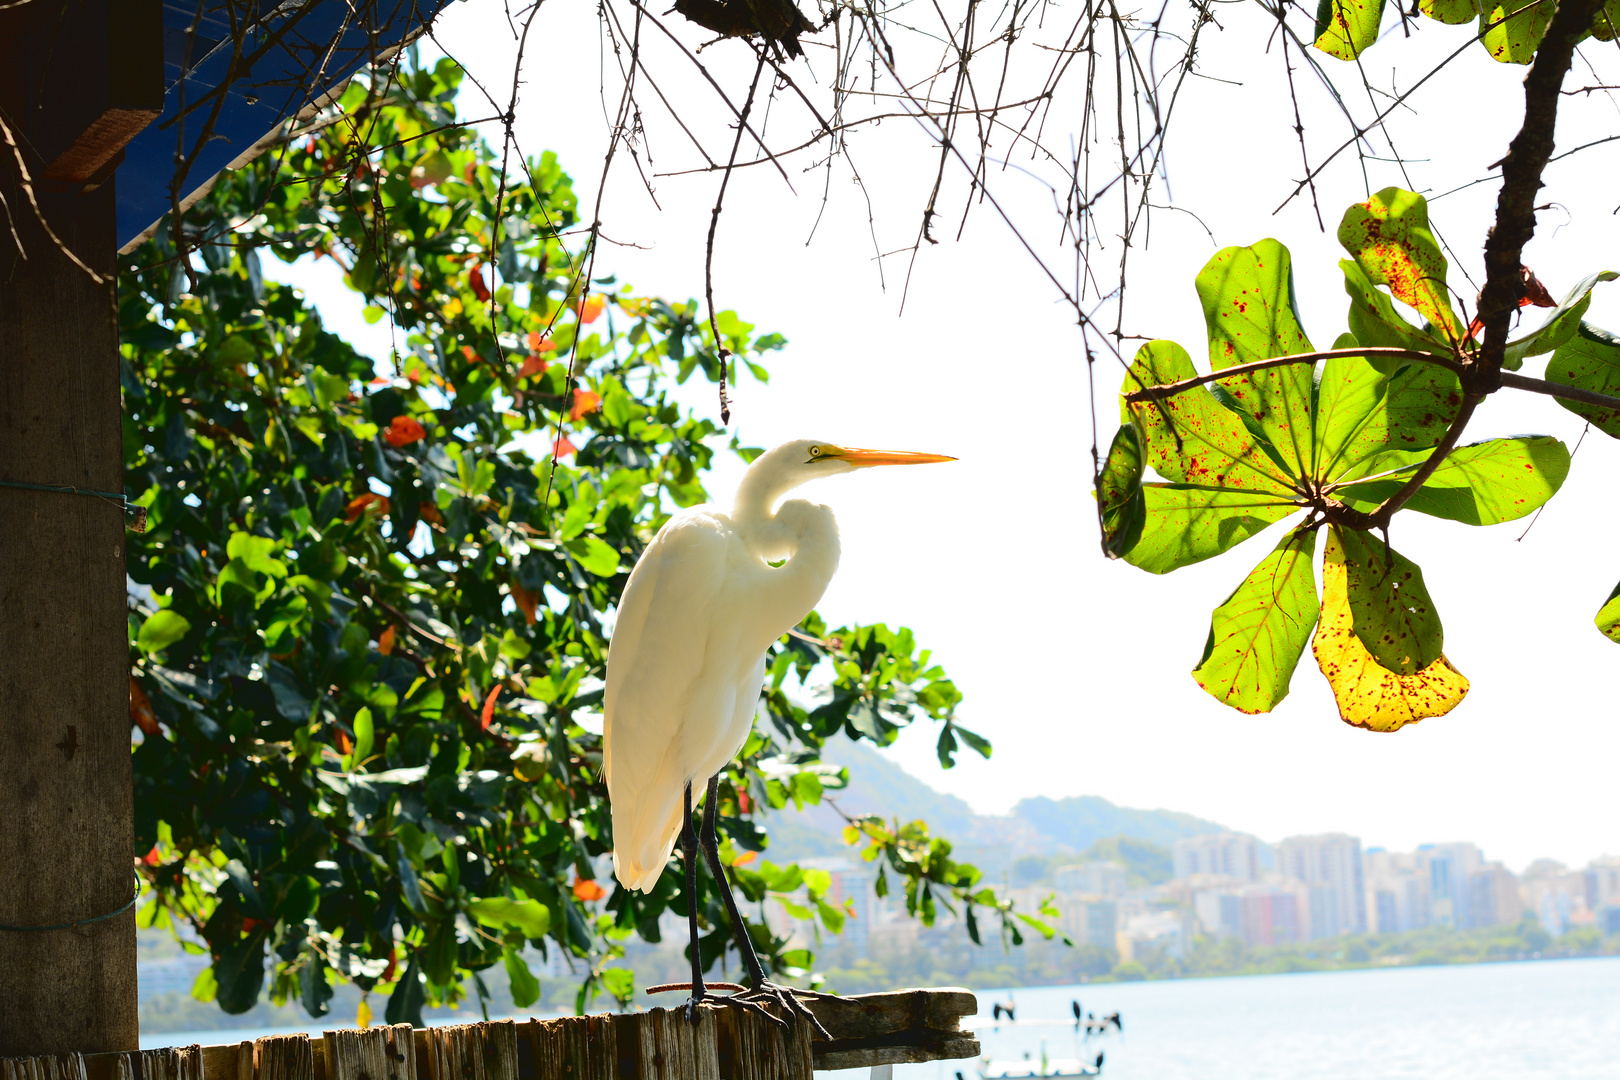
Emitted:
<point x="1374" y="322"/>
<point x="1183" y="524"/>
<point x="1454" y="12"/>
<point x="1390" y="607"/>
<point x="160" y="630"/>
<point x="529" y="916"/>
<point x="403" y="430"/>
<point x="525" y="987"/>
<point x="1258" y="634"/>
<point x="1562" y="323"/>
<point x="1345" y="28"/>
<point x="1514" y="40"/>
<point x="1590" y="361"/>
<point x="1120" y="492"/>
<point x="1368" y="694"/>
<point x="1217" y="450"/>
<point x="1249" y="313"/>
<point x="1484" y="483"/>
<point x="1389" y="238"/>
<point x="1608" y="616"/>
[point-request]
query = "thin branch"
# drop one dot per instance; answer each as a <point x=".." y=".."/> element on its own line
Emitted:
<point x="1170" y="390"/>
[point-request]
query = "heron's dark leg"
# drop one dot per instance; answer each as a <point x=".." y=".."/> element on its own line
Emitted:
<point x="689" y="855"/>
<point x="759" y="986"/>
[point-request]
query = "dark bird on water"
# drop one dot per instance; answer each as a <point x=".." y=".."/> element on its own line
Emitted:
<point x="777" y="21"/>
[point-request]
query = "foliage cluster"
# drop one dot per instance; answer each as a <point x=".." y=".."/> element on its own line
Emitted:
<point x="370" y="617"/>
<point x="1349" y="436"/>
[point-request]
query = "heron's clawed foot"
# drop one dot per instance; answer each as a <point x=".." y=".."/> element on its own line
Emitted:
<point x="785" y="998"/>
<point x="692" y="1010"/>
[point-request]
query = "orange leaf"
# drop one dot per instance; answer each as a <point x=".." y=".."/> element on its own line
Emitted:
<point x="526" y="601"/>
<point x="385" y="641"/>
<point x="402" y="431"/>
<point x="475" y="279"/>
<point x="534" y="365"/>
<point x="393" y="964"/>
<point x="489" y="708"/>
<point x="537" y="343"/>
<point x="743" y="801"/>
<point x="152" y="858"/>
<point x="369" y="502"/>
<point x="345" y="747"/>
<point x="430" y="513"/>
<point x="591" y="309"/>
<point x="140" y="709"/>
<point x="467" y="173"/>
<point x="562" y="448"/>
<point x="584" y="402"/>
<point x="745" y="858"/>
<point x="470" y="353"/>
<point x="588" y="890"/>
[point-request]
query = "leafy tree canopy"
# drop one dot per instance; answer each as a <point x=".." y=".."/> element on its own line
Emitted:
<point x="369" y="619"/>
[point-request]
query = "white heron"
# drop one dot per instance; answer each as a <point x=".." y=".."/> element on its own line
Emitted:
<point x="687" y="662"/>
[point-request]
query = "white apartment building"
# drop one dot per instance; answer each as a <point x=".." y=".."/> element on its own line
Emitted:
<point x="1235" y="855"/>
<point x="1397" y="891"/>
<point x="1448" y="868"/>
<point x="1330" y="867"/>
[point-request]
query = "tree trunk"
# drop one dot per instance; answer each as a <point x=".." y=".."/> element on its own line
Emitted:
<point x="66" y="831"/>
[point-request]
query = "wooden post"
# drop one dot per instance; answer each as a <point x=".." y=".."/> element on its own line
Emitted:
<point x="77" y="79"/>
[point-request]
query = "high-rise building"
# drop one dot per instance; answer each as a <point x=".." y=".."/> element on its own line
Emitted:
<point x="1448" y="868"/>
<point x="1330" y="865"/>
<point x="1603" y="882"/>
<point x="1397" y="891"/>
<point x="1235" y="855"/>
<point x="1493" y="896"/>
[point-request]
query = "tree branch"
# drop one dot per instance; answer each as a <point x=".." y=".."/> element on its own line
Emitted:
<point x="1559" y="390"/>
<point x="1170" y="390"/>
<point x="1521" y="179"/>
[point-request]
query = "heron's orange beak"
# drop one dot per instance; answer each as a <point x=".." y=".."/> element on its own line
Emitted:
<point x="862" y="458"/>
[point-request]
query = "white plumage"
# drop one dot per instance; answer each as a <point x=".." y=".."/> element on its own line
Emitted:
<point x="687" y="660"/>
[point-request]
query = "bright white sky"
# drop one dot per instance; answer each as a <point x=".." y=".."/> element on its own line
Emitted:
<point x="1077" y="667"/>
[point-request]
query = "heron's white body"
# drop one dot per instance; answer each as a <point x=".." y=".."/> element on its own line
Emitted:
<point x="687" y="660"/>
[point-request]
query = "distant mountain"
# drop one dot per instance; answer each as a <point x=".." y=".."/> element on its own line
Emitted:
<point x="1060" y="829"/>
<point x="1079" y="821"/>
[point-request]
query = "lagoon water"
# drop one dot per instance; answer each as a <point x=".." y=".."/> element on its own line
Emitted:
<point x="1548" y="1020"/>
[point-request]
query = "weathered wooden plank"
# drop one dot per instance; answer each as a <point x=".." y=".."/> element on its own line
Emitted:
<point x="861" y="1057"/>
<point x="866" y="1015"/>
<point x="281" y="1057"/>
<point x="380" y="1053"/>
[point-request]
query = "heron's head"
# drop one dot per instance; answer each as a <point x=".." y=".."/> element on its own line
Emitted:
<point x="815" y="458"/>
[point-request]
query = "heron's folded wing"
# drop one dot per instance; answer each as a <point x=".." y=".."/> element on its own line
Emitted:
<point x="660" y="640"/>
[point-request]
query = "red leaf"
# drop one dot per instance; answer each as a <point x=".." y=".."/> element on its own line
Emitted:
<point x="470" y="353"/>
<point x="562" y="448"/>
<point x="584" y="402"/>
<point x="152" y="858"/>
<point x="527" y="602"/>
<point x="534" y="365"/>
<point x="475" y="279"/>
<point x="385" y="641"/>
<point x="140" y="709"/>
<point x="369" y="502"/>
<point x="403" y="430"/>
<point x="588" y="890"/>
<point x="489" y="708"/>
<point x="393" y="964"/>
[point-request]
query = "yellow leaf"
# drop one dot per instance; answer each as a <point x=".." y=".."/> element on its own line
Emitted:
<point x="1369" y="695"/>
<point x="362" y="1015"/>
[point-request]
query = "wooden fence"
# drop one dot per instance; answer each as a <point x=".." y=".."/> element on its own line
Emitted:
<point x="658" y="1044"/>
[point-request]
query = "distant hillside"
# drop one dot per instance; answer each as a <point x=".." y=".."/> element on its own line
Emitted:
<point x="1079" y="821"/>
<point x="1051" y="828"/>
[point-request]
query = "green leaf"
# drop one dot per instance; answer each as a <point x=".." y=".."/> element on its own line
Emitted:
<point x="1120" y="492"/>
<point x="1608" y="616"/>
<point x="1389" y="237"/>
<point x="620" y="982"/>
<point x="205" y="987"/>
<point x="1376" y="324"/>
<point x="1561" y="324"/>
<point x="1345" y="28"/>
<point x="1258" y="634"/>
<point x="1515" y="40"/>
<point x="1249" y="313"/>
<point x="1185" y="524"/>
<point x="239" y="971"/>
<point x="525" y="987"/>
<point x="595" y="556"/>
<point x="529" y="916"/>
<point x="1484" y="483"/>
<point x="405" y="1003"/>
<point x="313" y="990"/>
<point x="1216" y="451"/>
<point x="1360" y="414"/>
<point x="1452" y="12"/>
<point x="440" y="953"/>
<point x="365" y="737"/>
<point x="257" y="553"/>
<point x="160" y="630"/>
<point x="1390" y="609"/>
<point x="1589" y="361"/>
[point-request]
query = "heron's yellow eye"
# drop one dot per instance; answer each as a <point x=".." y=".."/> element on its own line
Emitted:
<point x="815" y="452"/>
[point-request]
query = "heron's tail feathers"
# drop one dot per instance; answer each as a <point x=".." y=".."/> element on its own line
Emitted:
<point x="640" y="855"/>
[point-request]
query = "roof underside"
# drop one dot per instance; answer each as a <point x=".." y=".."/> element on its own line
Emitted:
<point x="248" y="65"/>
